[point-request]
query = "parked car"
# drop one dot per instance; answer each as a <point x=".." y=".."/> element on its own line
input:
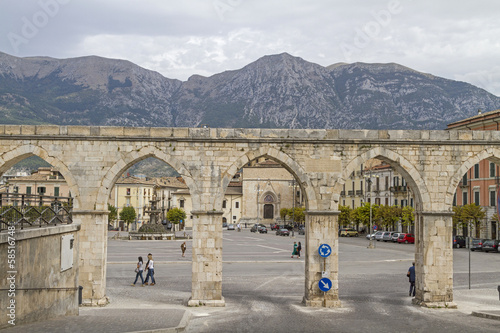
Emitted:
<point x="230" y="227"/>
<point x="302" y="230"/>
<point x="458" y="241"/>
<point x="395" y="237"/>
<point x="257" y="227"/>
<point x="387" y="236"/>
<point x="262" y="230"/>
<point x="406" y="238"/>
<point x="372" y="236"/>
<point x="224" y="224"/>
<point x="378" y="235"/>
<point x="477" y="244"/>
<point x="283" y="232"/>
<point x="274" y="226"/>
<point x="348" y="232"/>
<point x="490" y="245"/>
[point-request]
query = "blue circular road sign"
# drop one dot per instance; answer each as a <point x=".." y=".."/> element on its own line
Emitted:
<point x="325" y="284"/>
<point x="324" y="250"/>
<point x="375" y="227"/>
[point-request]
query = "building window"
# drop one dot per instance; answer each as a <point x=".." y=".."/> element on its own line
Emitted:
<point x="395" y="202"/>
<point x="353" y="204"/>
<point x="41" y="190"/>
<point x="128" y="191"/>
<point x="492" y="198"/>
<point x="455" y="199"/>
<point x="492" y="169"/>
<point x="56" y="191"/>
<point x="353" y="187"/>
<point x="476" y="197"/>
<point x="386" y="183"/>
<point x="387" y="201"/>
<point x="377" y="201"/>
<point x="411" y="202"/>
<point x="378" y="184"/>
<point x="181" y="203"/>
<point x="237" y="204"/>
<point x="464" y="198"/>
<point x="361" y="186"/>
<point x="395" y="180"/>
<point x="234" y="217"/>
<point x="224" y="203"/>
<point x="28" y="189"/>
<point x="343" y="202"/>
<point x="476" y="171"/>
<point x="464" y="179"/>
<point x="16" y="189"/>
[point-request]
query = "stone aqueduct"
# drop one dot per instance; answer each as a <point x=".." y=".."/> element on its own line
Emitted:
<point x="92" y="158"/>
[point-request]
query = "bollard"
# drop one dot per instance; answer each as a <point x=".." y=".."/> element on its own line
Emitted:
<point x="80" y="292"/>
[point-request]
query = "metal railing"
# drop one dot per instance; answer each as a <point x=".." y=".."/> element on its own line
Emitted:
<point x="28" y="210"/>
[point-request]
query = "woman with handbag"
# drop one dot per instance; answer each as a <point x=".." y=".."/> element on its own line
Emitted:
<point x="138" y="272"/>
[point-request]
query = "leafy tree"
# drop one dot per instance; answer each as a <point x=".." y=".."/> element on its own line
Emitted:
<point x="284" y="212"/>
<point x="113" y="213"/>
<point x="175" y="215"/>
<point x="298" y="214"/>
<point x="388" y="216"/>
<point x="473" y="214"/>
<point x="128" y="215"/>
<point x="408" y="217"/>
<point x="362" y="214"/>
<point x="345" y="216"/>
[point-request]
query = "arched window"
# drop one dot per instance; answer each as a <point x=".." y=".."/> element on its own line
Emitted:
<point x="268" y="198"/>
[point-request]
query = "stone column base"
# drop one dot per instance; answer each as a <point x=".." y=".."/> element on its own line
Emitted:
<point x="95" y="302"/>
<point x="435" y="305"/>
<point x="213" y="303"/>
<point x="322" y="303"/>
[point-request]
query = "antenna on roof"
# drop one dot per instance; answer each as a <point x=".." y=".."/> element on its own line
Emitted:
<point x="478" y="111"/>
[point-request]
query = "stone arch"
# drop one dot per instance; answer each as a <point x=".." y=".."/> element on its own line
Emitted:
<point x="285" y="160"/>
<point x="10" y="158"/>
<point x="489" y="153"/>
<point x="400" y="163"/>
<point x="132" y="158"/>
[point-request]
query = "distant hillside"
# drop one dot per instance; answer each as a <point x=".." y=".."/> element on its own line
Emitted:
<point x="279" y="91"/>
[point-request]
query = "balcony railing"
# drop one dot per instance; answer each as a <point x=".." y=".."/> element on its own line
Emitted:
<point x="342" y="193"/>
<point x="27" y="210"/>
<point x="351" y="192"/>
<point x="398" y="188"/>
<point x="359" y="192"/>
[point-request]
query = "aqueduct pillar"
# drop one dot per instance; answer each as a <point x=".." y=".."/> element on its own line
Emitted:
<point x="206" y="287"/>
<point x="434" y="260"/>
<point x="93" y="252"/>
<point x="322" y="228"/>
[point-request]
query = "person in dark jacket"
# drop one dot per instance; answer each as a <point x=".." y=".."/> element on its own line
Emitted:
<point x="411" y="278"/>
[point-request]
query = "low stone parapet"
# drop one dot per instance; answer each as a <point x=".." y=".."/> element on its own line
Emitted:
<point x="150" y="236"/>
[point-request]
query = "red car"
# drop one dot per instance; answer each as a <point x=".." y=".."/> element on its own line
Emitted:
<point x="406" y="238"/>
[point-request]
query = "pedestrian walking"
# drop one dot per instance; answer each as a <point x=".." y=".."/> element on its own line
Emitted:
<point x="183" y="248"/>
<point x="294" y="253"/>
<point x="151" y="270"/>
<point x="299" y="248"/>
<point x="411" y="277"/>
<point x="138" y="271"/>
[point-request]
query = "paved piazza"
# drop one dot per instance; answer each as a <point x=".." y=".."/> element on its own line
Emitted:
<point x="263" y="287"/>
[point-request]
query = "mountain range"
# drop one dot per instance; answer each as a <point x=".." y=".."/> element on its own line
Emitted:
<point x="276" y="91"/>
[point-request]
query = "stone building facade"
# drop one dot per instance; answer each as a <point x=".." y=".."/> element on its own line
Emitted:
<point x="481" y="183"/>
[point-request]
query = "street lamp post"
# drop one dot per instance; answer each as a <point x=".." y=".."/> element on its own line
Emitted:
<point x="371" y="244"/>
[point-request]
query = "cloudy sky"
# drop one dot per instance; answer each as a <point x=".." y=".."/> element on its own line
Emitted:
<point x="457" y="39"/>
